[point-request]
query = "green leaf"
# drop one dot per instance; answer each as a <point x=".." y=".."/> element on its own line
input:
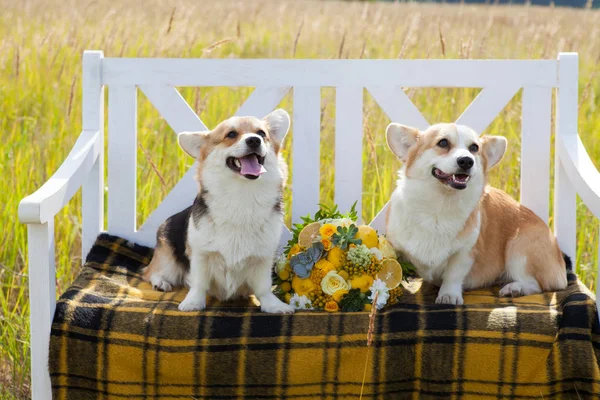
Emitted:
<point x="352" y="301"/>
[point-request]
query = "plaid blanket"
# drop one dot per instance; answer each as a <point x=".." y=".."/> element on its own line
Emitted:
<point x="114" y="337"/>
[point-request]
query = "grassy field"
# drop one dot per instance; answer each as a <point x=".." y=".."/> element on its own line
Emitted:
<point x="41" y="43"/>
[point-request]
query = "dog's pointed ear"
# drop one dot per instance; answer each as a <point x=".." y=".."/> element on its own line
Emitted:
<point x="494" y="148"/>
<point x="278" y="124"/>
<point x="400" y="138"/>
<point x="192" y="142"/>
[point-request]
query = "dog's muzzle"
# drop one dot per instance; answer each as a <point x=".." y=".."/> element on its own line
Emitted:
<point x="455" y="181"/>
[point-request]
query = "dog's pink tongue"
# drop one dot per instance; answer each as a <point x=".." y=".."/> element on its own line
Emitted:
<point x="250" y="166"/>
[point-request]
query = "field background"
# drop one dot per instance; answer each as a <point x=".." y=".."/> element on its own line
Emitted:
<point x="41" y="44"/>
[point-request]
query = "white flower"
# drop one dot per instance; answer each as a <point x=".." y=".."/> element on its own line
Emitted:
<point x="381" y="288"/>
<point x="280" y="263"/>
<point x="344" y="222"/>
<point x="377" y="253"/>
<point x="300" y="302"/>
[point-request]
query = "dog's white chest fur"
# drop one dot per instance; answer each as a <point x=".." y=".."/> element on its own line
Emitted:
<point x="233" y="236"/>
<point x="238" y="229"/>
<point x="427" y="228"/>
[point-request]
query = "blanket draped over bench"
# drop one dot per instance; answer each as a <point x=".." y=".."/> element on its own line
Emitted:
<point x="114" y="337"/>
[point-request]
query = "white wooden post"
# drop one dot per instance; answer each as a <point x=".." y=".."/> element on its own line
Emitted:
<point x="306" y="151"/>
<point x="565" y="207"/>
<point x="535" y="150"/>
<point x="93" y="120"/>
<point x="42" y="302"/>
<point x="122" y="159"/>
<point x="348" y="147"/>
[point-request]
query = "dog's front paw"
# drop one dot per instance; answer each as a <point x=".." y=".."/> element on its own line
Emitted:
<point x="193" y="302"/>
<point x="514" y="289"/>
<point x="275" y="306"/>
<point x="449" y="298"/>
<point x="163" y="286"/>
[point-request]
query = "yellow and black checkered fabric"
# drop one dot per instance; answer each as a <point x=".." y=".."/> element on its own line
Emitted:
<point x="113" y="337"/>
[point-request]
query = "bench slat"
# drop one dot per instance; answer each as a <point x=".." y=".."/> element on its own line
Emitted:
<point x="306" y="151"/>
<point x="247" y="72"/>
<point x="348" y="147"/>
<point x="122" y="160"/>
<point x="535" y="150"/>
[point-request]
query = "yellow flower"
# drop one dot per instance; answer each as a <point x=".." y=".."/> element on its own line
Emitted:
<point x="344" y="274"/>
<point x="326" y="244"/>
<point x="327" y="230"/>
<point x="362" y="282"/>
<point x="302" y="286"/>
<point x="284" y="274"/>
<point x="336" y="257"/>
<point x="367" y="307"/>
<point x="368" y="236"/>
<point x="287" y="297"/>
<point x="285" y="287"/>
<point x="325" y="266"/>
<point x="332" y="282"/>
<point x="337" y="296"/>
<point x="294" y="250"/>
<point x="332" y="306"/>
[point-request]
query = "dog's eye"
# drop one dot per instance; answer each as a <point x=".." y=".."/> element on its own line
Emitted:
<point x="443" y="143"/>
<point x="232" y="135"/>
<point x="261" y="133"/>
<point x="473" y="148"/>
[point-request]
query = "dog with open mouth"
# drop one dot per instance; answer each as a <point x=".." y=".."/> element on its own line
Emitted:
<point x="459" y="232"/>
<point x="224" y="244"/>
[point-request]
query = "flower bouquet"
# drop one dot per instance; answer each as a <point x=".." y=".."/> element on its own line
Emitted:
<point x="333" y="264"/>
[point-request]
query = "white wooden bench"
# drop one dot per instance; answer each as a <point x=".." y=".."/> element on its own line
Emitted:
<point x="383" y="79"/>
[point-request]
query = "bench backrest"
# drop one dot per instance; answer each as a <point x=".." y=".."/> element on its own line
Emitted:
<point x="272" y="79"/>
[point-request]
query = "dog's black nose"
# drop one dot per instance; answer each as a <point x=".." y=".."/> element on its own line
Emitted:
<point x="465" y="163"/>
<point x="253" y="142"/>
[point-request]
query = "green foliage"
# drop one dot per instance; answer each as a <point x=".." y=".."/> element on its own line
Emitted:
<point x="324" y="212"/>
<point x="345" y="237"/>
<point x="408" y="270"/>
<point x="353" y="301"/>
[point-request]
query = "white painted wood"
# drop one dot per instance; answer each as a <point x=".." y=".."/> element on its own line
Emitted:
<point x="248" y="72"/>
<point x="122" y="159"/>
<point x="486" y="106"/>
<point x="42" y="205"/>
<point x="399" y="108"/>
<point x="306" y="172"/>
<point x="260" y="102"/>
<point x="92" y="213"/>
<point x="173" y="108"/>
<point x="348" y="147"/>
<point x="42" y="303"/>
<point x="535" y="150"/>
<point x="565" y="211"/>
<point x="580" y="171"/>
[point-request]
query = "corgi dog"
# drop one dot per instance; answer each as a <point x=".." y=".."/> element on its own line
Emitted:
<point x="459" y="232"/>
<point x="224" y="244"/>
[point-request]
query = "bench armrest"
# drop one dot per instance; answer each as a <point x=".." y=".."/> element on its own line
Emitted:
<point x="581" y="171"/>
<point x="42" y="205"/>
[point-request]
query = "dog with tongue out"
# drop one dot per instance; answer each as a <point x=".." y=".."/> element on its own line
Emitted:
<point x="224" y="244"/>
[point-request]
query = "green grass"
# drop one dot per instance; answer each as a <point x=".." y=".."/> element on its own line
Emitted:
<point x="41" y="43"/>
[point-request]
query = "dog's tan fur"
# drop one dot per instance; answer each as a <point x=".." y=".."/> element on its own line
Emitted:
<point x="504" y="240"/>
